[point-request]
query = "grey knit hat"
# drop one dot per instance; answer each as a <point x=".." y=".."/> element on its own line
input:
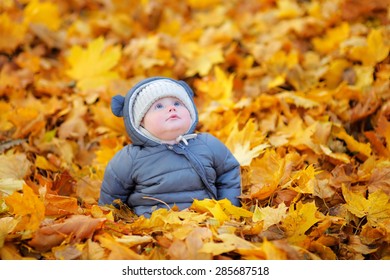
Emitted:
<point x="154" y="91"/>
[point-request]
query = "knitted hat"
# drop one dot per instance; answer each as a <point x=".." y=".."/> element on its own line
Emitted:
<point x="156" y="90"/>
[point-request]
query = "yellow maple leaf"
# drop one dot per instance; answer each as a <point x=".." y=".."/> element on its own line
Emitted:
<point x="201" y="58"/>
<point x="219" y="89"/>
<point x="11" y="33"/>
<point x="373" y="52"/>
<point x="270" y="216"/>
<point x="300" y="218"/>
<point x="303" y="181"/>
<point x="230" y="209"/>
<point x="364" y="76"/>
<point x="222" y="210"/>
<point x="376" y="207"/>
<point x="266" y="174"/>
<point x="273" y="252"/>
<point x="92" y="67"/>
<point x="279" y="64"/>
<point x="44" y="164"/>
<point x="334" y="75"/>
<point x="210" y="206"/>
<point x="103" y="116"/>
<point x="332" y="39"/>
<point x="41" y="12"/>
<point x="288" y="9"/>
<point x="354" y="146"/>
<point x="28" y="206"/>
<point x="246" y="144"/>
<point x="108" y="148"/>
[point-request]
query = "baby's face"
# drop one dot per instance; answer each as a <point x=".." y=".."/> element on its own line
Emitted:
<point x="167" y="118"/>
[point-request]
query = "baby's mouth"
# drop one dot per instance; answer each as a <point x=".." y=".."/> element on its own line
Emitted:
<point x="173" y="117"/>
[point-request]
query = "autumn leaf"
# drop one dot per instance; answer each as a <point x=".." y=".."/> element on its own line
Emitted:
<point x="288" y="9"/>
<point x="11" y="33"/>
<point x="74" y="125"/>
<point x="270" y="216"/>
<point x="229" y="242"/>
<point x="60" y="205"/>
<point x="44" y="164"/>
<point x="187" y="246"/>
<point x="7" y="225"/>
<point x="132" y="240"/>
<point x="201" y="59"/>
<point x="376" y="207"/>
<point x="375" y="49"/>
<point x="337" y="68"/>
<point x="27" y="120"/>
<point x="266" y="174"/>
<point x="45" y="13"/>
<point x="219" y="89"/>
<point x="92" y="67"/>
<point x="212" y="207"/>
<point x="117" y="250"/>
<point x="332" y="39"/>
<point x="298" y="91"/>
<point x="234" y="211"/>
<point x="246" y="144"/>
<point x="28" y="206"/>
<point x="352" y="144"/>
<point x="13" y="169"/>
<point x="202" y="4"/>
<point x="298" y="99"/>
<point x="303" y="181"/>
<point x="300" y="218"/>
<point x="78" y="226"/>
<point x="109" y="146"/>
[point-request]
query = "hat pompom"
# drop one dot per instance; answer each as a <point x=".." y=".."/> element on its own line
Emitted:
<point x="117" y="103"/>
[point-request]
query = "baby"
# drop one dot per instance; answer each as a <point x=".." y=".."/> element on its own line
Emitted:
<point x="167" y="164"/>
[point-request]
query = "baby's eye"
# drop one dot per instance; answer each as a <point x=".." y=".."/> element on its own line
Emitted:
<point x="158" y="106"/>
<point x="177" y="103"/>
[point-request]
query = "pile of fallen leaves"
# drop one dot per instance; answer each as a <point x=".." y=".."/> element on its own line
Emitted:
<point x="298" y="90"/>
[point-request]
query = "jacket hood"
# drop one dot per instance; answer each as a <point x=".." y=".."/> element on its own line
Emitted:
<point x="122" y="106"/>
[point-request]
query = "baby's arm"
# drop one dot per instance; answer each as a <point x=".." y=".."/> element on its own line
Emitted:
<point x="117" y="183"/>
<point x="228" y="181"/>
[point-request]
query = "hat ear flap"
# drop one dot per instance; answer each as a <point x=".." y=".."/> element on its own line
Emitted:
<point x="117" y="103"/>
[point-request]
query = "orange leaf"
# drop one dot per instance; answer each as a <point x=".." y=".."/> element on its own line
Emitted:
<point x="60" y="205"/>
<point x="79" y="226"/>
<point x="28" y="206"/>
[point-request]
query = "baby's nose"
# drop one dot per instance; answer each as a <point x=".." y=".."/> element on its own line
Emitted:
<point x="172" y="108"/>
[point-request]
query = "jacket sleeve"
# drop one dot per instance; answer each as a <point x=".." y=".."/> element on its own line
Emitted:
<point x="228" y="171"/>
<point x="117" y="183"/>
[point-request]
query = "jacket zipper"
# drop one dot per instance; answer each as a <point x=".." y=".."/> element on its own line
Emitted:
<point x="201" y="172"/>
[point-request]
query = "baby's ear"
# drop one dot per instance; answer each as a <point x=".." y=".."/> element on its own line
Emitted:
<point x="117" y="103"/>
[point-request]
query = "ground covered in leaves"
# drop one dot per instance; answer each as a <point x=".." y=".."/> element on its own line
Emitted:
<point x="298" y="90"/>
